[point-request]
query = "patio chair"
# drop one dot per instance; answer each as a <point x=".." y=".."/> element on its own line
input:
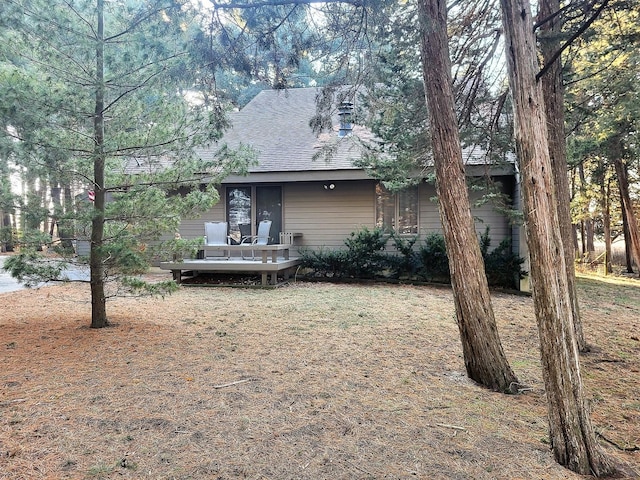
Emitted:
<point x="262" y="238"/>
<point x="245" y="230"/>
<point x="215" y="235"/>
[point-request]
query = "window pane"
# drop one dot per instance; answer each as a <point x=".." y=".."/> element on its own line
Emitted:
<point x="408" y="211"/>
<point x="238" y="210"/>
<point x="269" y="207"/>
<point x="385" y="208"/>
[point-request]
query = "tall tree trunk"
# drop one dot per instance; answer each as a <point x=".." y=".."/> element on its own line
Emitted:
<point x="627" y="235"/>
<point x="572" y="438"/>
<point x="9" y="227"/>
<point x="576" y="226"/>
<point x="591" y="245"/>
<point x="553" y="92"/>
<point x="56" y="201"/>
<point x="58" y="220"/>
<point x="484" y="357"/>
<point x="625" y="198"/>
<point x="96" y="256"/>
<point x="34" y="208"/>
<point x="588" y="234"/>
<point x="21" y="220"/>
<point x="44" y="201"/>
<point x="606" y="220"/>
<point x="33" y="201"/>
<point x="67" y="228"/>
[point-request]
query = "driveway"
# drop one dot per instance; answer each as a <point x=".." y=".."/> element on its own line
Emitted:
<point x="9" y="284"/>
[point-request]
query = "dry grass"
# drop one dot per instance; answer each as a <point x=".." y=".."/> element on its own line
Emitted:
<point x="310" y="381"/>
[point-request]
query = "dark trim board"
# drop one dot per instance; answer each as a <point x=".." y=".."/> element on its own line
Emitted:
<point x="233" y="266"/>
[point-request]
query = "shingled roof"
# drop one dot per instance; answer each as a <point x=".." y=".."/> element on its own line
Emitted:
<point x="276" y="124"/>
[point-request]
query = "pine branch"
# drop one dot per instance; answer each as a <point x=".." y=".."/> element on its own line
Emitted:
<point x="573" y="38"/>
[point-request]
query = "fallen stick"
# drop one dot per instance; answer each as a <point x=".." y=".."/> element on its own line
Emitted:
<point x="237" y="382"/>
<point x="635" y="448"/>
<point x="16" y="400"/>
<point x="455" y="427"/>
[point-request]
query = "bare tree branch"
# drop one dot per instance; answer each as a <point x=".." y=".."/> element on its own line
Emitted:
<point x="275" y="3"/>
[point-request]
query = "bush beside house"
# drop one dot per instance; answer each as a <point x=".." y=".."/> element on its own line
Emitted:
<point x="366" y="257"/>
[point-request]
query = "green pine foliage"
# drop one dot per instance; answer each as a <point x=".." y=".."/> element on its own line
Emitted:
<point x="154" y="122"/>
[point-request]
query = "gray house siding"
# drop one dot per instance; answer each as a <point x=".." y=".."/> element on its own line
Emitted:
<point x="428" y="216"/>
<point x="484" y="215"/>
<point x="326" y="216"/>
<point x="194" y="228"/>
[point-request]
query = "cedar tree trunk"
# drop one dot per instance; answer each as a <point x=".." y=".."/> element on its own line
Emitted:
<point x="625" y="199"/>
<point x="484" y="358"/>
<point x="572" y="438"/>
<point x="627" y="236"/>
<point x="554" y="107"/>
<point x="606" y="220"/>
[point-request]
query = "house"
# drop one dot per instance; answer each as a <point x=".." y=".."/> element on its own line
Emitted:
<point x="320" y="200"/>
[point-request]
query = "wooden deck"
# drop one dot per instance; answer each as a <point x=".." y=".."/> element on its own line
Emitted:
<point x="266" y="263"/>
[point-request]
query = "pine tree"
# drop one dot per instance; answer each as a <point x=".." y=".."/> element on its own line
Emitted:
<point x="112" y="110"/>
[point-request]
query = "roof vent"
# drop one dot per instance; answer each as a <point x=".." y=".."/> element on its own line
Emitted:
<point x="345" y="112"/>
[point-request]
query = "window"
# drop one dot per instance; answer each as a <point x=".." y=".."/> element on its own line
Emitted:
<point x="397" y="211"/>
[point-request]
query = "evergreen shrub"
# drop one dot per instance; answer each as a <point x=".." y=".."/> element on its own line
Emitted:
<point x="324" y="262"/>
<point x="407" y="263"/>
<point x="434" y="263"/>
<point x="502" y="266"/>
<point x="365" y="257"/>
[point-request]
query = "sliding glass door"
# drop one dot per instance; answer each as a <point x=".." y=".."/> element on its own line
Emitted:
<point x="248" y="206"/>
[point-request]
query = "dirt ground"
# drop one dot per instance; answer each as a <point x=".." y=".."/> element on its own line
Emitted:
<point x="306" y="381"/>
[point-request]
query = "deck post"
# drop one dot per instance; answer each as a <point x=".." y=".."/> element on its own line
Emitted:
<point x="177" y="276"/>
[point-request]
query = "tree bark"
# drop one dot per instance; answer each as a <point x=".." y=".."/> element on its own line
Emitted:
<point x="606" y="220"/>
<point x="96" y="255"/>
<point x="627" y="235"/>
<point x="572" y="438"/>
<point x="588" y="246"/>
<point x="58" y="221"/>
<point x="484" y="357"/>
<point x="553" y="92"/>
<point x="575" y="226"/>
<point x="7" y="225"/>
<point x="625" y="198"/>
<point x="66" y="227"/>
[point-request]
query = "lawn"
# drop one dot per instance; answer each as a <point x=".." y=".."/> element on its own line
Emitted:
<point x="307" y="381"/>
